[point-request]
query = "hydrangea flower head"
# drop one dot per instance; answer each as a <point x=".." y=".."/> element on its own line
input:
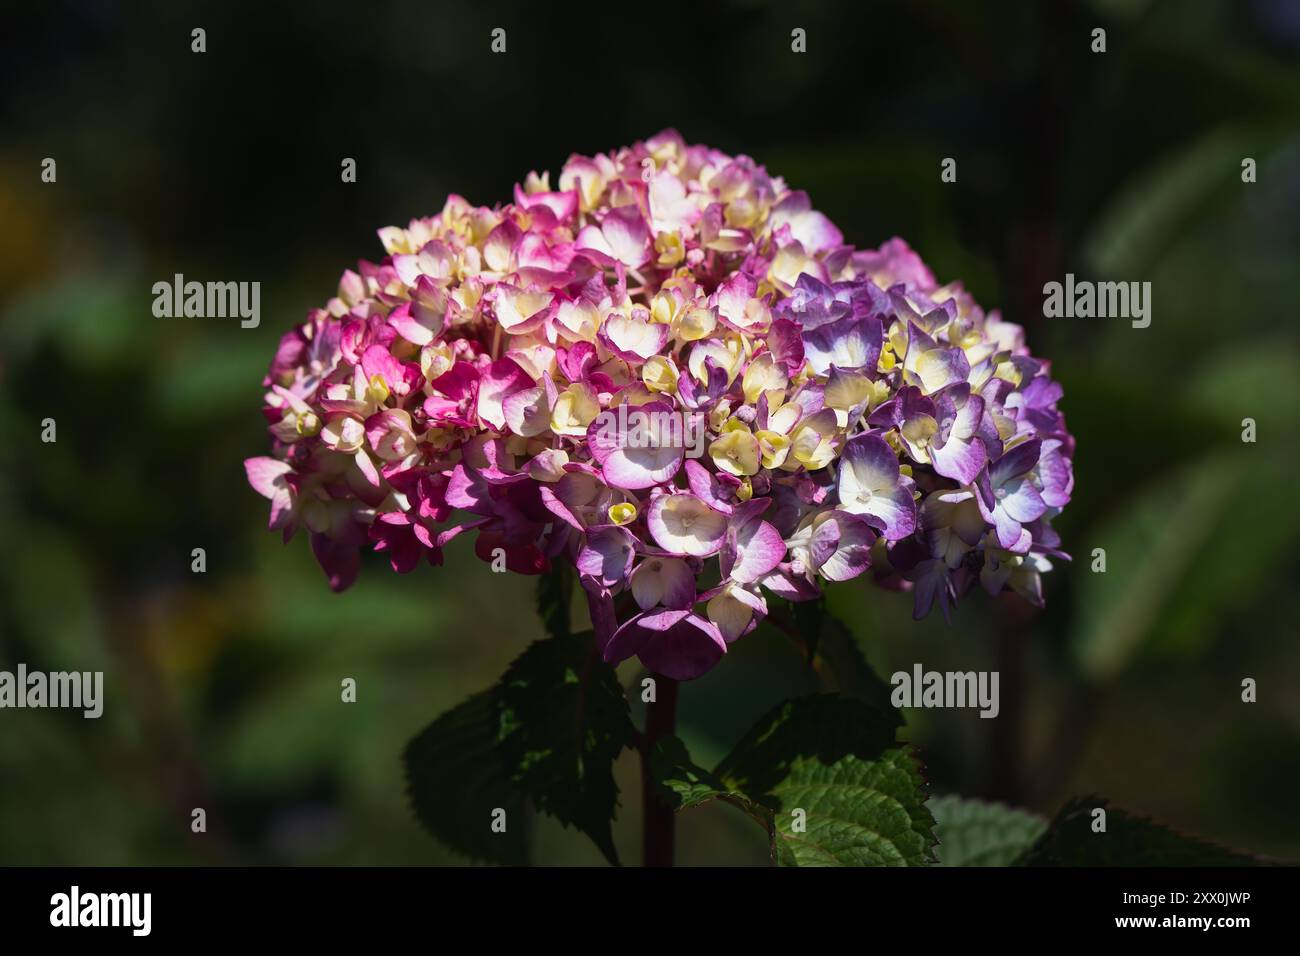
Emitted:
<point x="668" y="370"/>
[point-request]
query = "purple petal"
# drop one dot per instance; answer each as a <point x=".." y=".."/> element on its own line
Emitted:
<point x="606" y="556"/>
<point x="959" y="459"/>
<point x="621" y="237"/>
<point x="468" y="490"/>
<point x="705" y="485"/>
<point x="869" y="483"/>
<point x="897" y="509"/>
<point x="341" y="562"/>
<point x="553" y="504"/>
<point x="614" y="437"/>
<point x="786" y="584"/>
<point x="663" y="581"/>
<point x="932" y="583"/>
<point x="457" y="383"/>
<point x="849" y="343"/>
<point x="677" y="644"/>
<point x="419" y="324"/>
<point x="1021" y="500"/>
<point x="267" y="475"/>
<point x="392" y="532"/>
<point x="684" y="524"/>
<point x="786" y="345"/>
<point x="758" y="548"/>
<point x="844" y="549"/>
<point x="600" y="604"/>
<point x="1055" y="474"/>
<point x="939" y="368"/>
<point x="1012" y="536"/>
<point x="872" y="462"/>
<point x="1015" y="462"/>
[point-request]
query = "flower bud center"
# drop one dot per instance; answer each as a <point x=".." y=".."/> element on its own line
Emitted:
<point x="307" y="424"/>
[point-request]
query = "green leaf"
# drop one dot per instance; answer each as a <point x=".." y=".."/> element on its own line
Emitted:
<point x="455" y="780"/>
<point x="859" y="813"/>
<point x="554" y="598"/>
<point x="679" y="782"/>
<point x="682" y="784"/>
<point x="975" y="833"/>
<point x="563" y="719"/>
<point x="834" y="758"/>
<point x="1129" y="840"/>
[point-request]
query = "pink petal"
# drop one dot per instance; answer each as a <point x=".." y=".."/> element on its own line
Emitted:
<point x="732" y="297"/>
<point x="500" y="379"/>
<point x="786" y="345"/>
<point x="266" y="475"/>
<point x="629" y="239"/>
<point x="612" y="437"/>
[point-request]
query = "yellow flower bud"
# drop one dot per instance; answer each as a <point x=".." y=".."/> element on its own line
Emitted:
<point x="719" y="415"/>
<point x="659" y="374"/>
<point x="774" y="447"/>
<point x="436" y="360"/>
<point x="624" y="513"/>
<point x="307" y="424"/>
<point x="812" y="445"/>
<point x="578" y="321"/>
<point x="887" y="359"/>
<point x="736" y="451"/>
<point x="663" y="308"/>
<point x="696" y="324"/>
<point x="575" y="409"/>
<point x="671" y="249"/>
<point x="764" y="375"/>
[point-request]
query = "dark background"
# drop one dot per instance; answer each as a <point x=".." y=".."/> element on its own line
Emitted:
<point x="223" y="688"/>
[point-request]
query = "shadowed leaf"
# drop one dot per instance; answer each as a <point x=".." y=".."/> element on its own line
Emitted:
<point x="976" y="833"/>
<point x="455" y="780"/>
<point x="563" y="720"/>
<point x="1129" y="840"/>
<point x="841" y="790"/>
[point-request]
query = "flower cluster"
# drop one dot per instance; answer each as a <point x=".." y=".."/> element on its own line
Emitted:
<point x="664" y="358"/>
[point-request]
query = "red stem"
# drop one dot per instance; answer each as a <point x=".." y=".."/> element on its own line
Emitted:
<point x="657" y="825"/>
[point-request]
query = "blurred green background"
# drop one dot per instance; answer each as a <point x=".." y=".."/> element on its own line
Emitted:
<point x="223" y="688"/>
